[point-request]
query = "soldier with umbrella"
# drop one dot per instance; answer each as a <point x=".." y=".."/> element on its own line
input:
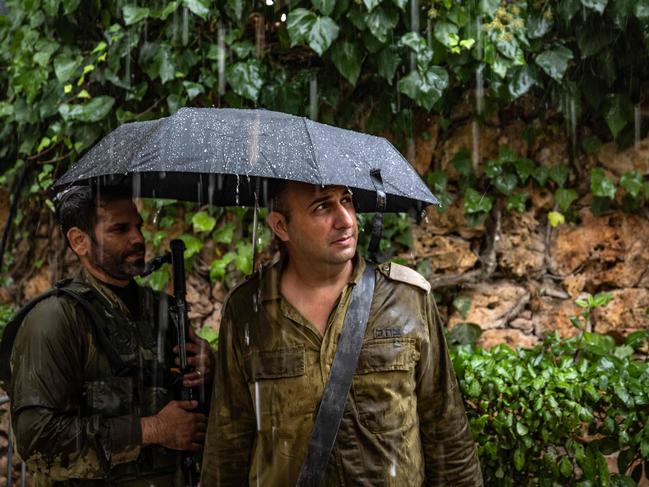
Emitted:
<point x="364" y="334"/>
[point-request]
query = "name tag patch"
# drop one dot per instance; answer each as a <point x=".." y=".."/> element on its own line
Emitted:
<point x="387" y="332"/>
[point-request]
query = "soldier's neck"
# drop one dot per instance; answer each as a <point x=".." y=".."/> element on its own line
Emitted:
<point x="101" y="276"/>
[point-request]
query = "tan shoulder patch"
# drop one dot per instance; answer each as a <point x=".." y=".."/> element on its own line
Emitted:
<point x="405" y="274"/>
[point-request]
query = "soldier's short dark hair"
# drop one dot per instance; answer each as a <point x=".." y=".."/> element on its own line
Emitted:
<point x="76" y="206"/>
<point x="277" y="200"/>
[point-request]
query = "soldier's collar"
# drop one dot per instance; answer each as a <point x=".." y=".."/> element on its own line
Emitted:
<point x="104" y="290"/>
<point x="270" y="277"/>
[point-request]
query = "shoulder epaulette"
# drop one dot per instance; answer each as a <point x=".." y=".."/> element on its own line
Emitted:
<point x="401" y="273"/>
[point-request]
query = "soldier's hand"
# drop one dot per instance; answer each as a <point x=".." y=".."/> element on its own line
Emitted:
<point x="202" y="361"/>
<point x="176" y="427"/>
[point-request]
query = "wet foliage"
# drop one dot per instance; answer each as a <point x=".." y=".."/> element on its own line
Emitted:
<point x="549" y="415"/>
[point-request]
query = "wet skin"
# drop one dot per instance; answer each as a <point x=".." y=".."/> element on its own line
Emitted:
<point x="319" y="230"/>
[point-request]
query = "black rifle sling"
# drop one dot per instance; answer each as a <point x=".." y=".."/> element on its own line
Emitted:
<point x="339" y="382"/>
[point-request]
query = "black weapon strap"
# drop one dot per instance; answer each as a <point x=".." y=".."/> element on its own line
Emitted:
<point x="66" y="287"/>
<point x="339" y="383"/>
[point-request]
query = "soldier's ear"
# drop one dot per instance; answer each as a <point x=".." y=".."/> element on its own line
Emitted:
<point x="277" y="223"/>
<point x="79" y="241"/>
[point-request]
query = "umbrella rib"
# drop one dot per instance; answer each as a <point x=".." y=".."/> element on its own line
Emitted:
<point x="315" y="162"/>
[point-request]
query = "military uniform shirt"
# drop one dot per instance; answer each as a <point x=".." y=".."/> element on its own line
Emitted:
<point x="404" y="422"/>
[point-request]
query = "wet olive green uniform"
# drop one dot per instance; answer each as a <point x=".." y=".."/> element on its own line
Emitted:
<point x="72" y="418"/>
<point x="404" y="423"/>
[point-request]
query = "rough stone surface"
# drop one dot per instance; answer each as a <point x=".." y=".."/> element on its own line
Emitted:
<point x="425" y="148"/>
<point x="550" y="314"/>
<point x="493" y="305"/>
<point x="447" y="254"/>
<point x="635" y="158"/>
<point x="511" y="137"/>
<point x="610" y="250"/>
<point x="625" y="313"/>
<point x="521" y="247"/>
<point x="463" y="138"/>
<point x="451" y="220"/>
<point x="214" y="319"/>
<point x="198" y="298"/>
<point x="541" y="198"/>
<point x="512" y="338"/>
<point x="38" y="283"/>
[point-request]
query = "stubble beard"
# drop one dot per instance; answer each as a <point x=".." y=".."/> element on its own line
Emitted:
<point x="117" y="266"/>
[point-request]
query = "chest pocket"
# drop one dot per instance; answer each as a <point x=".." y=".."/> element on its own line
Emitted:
<point x="143" y="391"/>
<point x="384" y="384"/>
<point x="278" y="386"/>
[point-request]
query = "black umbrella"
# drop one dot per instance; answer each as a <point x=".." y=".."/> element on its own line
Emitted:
<point x="226" y="157"/>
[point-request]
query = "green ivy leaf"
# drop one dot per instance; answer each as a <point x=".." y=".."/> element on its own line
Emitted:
<point x="555" y="62"/>
<point x="519" y="459"/>
<point x="446" y="33"/>
<point x="596" y="5"/>
<point x="370" y="4"/>
<point x="165" y="11"/>
<point x="516" y="202"/>
<point x="325" y="7"/>
<point x="203" y="222"/>
<point x="193" y="89"/>
<point x="243" y="259"/>
<point x="245" y="78"/>
<point x="198" y="7"/>
<point x="93" y="111"/>
<point x="234" y="9"/>
<point x="600" y="185"/>
<point x="475" y="202"/>
<point x="465" y="334"/>
<point x="566" y="467"/>
<point x="565" y="197"/>
<point x="426" y="89"/>
<point x="522" y="80"/>
<point x="322" y="34"/>
<point x="567" y="10"/>
<point x="559" y="174"/>
<point x="219" y="266"/>
<point x="193" y="245"/>
<point x="225" y="234"/>
<point x="522" y="429"/>
<point x="631" y="181"/>
<point x="641" y="11"/>
<point x="462" y="162"/>
<point x="506" y="183"/>
<point x="618" y="113"/>
<point x="348" y="58"/>
<point x="65" y="66"/>
<point x="381" y="22"/>
<point x="133" y="14"/>
<point x="158" y="279"/>
<point x="538" y="25"/>
<point x="299" y="24"/>
<point x="524" y="168"/>
<point x="462" y="304"/>
<point x="210" y="335"/>
<point x="388" y="61"/>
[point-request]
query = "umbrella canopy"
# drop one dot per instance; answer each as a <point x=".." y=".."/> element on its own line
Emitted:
<point x="226" y="157"/>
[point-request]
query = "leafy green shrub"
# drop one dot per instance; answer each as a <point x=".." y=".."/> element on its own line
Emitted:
<point x="548" y="415"/>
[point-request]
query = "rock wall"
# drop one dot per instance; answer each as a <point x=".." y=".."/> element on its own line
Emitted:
<point x="522" y="276"/>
